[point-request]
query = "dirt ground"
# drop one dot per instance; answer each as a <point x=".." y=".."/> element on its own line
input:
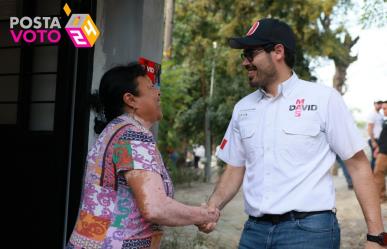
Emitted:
<point x="229" y="228"/>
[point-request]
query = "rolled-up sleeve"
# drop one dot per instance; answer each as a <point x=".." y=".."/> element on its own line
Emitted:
<point x="231" y="149"/>
<point x="343" y="135"/>
<point x="133" y="154"/>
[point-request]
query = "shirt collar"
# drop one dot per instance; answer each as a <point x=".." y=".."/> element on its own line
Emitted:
<point x="264" y="94"/>
<point x="285" y="88"/>
<point x="259" y="94"/>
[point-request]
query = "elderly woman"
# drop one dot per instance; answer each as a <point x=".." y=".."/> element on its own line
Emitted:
<point x="127" y="192"/>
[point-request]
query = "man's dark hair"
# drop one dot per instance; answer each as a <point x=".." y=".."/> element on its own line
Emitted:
<point x="289" y="55"/>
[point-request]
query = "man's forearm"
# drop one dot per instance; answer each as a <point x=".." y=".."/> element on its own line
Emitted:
<point x="227" y="186"/>
<point x="366" y="191"/>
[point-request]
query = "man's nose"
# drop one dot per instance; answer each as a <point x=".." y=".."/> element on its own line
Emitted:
<point x="246" y="62"/>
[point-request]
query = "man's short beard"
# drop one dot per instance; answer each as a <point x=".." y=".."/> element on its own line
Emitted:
<point x="265" y="77"/>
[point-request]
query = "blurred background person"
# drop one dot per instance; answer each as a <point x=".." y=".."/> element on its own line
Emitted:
<point x="381" y="158"/>
<point x="346" y="174"/>
<point x="374" y="127"/>
<point x="199" y="153"/>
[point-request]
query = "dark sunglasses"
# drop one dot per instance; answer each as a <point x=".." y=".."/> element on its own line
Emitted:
<point x="249" y="54"/>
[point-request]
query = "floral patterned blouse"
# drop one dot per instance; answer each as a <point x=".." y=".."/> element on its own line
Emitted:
<point x="109" y="217"/>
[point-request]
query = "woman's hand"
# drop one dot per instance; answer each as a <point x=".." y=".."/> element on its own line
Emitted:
<point x="209" y="226"/>
<point x="212" y="212"/>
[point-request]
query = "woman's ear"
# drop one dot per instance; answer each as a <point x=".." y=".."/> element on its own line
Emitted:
<point x="130" y="100"/>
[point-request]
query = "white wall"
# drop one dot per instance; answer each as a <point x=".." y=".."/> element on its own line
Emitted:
<point x="129" y="29"/>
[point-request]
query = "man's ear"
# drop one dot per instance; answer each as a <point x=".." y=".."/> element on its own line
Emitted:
<point x="279" y="52"/>
<point x="130" y="100"/>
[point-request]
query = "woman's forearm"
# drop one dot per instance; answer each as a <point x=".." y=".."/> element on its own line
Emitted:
<point x="156" y="207"/>
<point x="173" y="213"/>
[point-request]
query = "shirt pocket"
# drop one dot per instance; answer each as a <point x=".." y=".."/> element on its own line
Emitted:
<point x="301" y="142"/>
<point x="247" y="131"/>
<point x="249" y="141"/>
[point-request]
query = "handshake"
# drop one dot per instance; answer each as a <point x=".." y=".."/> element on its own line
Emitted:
<point x="211" y="217"/>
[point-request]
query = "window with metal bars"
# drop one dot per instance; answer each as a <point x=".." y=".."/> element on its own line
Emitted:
<point x="28" y="72"/>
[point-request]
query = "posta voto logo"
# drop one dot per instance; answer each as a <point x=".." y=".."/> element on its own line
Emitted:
<point x="80" y="27"/>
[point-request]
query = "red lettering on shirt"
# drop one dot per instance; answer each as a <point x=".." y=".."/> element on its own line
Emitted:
<point x="299" y="104"/>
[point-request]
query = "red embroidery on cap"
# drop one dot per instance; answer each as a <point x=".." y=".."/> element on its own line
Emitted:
<point x="253" y="28"/>
<point x="224" y="141"/>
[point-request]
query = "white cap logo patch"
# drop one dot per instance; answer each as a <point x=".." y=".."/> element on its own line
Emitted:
<point x="253" y="28"/>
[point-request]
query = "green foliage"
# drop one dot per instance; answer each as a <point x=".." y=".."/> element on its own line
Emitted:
<point x="175" y="101"/>
<point x="185" y="176"/>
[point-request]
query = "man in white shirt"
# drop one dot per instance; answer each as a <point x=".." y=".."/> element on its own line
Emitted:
<point x="281" y="142"/>
<point x="374" y="127"/>
<point x="199" y="153"/>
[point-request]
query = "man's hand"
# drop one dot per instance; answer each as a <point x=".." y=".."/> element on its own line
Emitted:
<point x="209" y="227"/>
<point x="373" y="245"/>
<point x="226" y="188"/>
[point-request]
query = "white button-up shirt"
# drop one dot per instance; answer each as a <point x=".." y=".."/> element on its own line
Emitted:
<point x="288" y="144"/>
<point x="376" y="118"/>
